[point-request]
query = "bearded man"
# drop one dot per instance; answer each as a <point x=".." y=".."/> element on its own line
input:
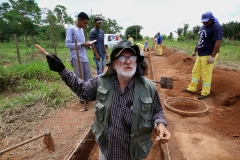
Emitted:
<point x="127" y="106"/>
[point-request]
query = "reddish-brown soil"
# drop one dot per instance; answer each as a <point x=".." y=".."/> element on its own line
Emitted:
<point x="215" y="136"/>
<point x="186" y="106"/>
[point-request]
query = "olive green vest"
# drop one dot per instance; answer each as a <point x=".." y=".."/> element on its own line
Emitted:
<point x="142" y="114"/>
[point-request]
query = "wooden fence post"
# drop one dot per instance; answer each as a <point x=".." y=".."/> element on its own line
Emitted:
<point x="16" y="43"/>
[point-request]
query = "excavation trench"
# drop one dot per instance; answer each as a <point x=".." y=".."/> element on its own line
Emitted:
<point x="87" y="149"/>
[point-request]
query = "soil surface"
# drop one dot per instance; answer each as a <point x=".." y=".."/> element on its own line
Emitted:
<point x="215" y="136"/>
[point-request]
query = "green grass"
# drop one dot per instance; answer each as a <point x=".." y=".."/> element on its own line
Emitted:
<point x="31" y="81"/>
<point x="228" y="52"/>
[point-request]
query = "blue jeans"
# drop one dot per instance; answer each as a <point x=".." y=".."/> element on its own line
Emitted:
<point x="100" y="64"/>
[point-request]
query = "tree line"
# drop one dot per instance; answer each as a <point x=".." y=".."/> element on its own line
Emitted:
<point x="231" y="30"/>
<point x="27" y="20"/>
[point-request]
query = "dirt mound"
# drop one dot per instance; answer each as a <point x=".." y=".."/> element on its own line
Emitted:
<point x="181" y="62"/>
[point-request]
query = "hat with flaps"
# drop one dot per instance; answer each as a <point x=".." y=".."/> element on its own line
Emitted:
<point x="118" y="49"/>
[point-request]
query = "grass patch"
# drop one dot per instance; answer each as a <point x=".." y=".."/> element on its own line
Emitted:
<point x="31" y="81"/>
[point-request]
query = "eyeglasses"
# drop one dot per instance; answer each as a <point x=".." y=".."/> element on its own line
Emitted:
<point x="124" y="58"/>
<point x="85" y="22"/>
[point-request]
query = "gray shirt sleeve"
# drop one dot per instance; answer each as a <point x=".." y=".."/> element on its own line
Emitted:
<point x="87" y="90"/>
<point x="69" y="41"/>
<point x="158" y="115"/>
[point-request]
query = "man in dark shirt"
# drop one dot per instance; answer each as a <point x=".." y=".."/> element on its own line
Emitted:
<point x="100" y="53"/>
<point x="127" y="105"/>
<point x="209" y="43"/>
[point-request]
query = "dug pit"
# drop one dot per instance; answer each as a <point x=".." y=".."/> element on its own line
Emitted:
<point x="186" y="106"/>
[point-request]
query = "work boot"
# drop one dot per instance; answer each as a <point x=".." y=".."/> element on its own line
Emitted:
<point x="186" y="90"/>
<point x="82" y="101"/>
<point x="202" y="97"/>
<point x="86" y="106"/>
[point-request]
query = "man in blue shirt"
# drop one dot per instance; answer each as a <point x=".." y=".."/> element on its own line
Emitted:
<point x="76" y="32"/>
<point x="99" y="50"/>
<point x="209" y="43"/>
<point x="159" y="44"/>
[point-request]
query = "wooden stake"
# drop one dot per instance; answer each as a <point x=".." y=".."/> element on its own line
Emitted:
<point x="16" y="43"/>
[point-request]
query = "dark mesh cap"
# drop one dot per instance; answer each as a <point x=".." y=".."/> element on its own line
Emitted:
<point x="98" y="19"/>
<point x="123" y="45"/>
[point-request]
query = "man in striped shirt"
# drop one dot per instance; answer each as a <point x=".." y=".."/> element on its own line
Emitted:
<point x="127" y="105"/>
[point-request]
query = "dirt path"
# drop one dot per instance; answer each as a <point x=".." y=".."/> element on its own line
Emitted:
<point x="215" y="136"/>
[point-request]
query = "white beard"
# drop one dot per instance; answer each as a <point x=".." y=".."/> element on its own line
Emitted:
<point x="125" y="74"/>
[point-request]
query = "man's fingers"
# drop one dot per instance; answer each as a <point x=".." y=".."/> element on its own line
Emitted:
<point x="163" y="133"/>
<point x="55" y="57"/>
<point x="50" y="58"/>
<point x="165" y="138"/>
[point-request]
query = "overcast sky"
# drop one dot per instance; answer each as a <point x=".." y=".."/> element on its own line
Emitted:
<point x="154" y="16"/>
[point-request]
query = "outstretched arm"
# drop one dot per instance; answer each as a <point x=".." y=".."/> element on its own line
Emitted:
<point x="86" y="90"/>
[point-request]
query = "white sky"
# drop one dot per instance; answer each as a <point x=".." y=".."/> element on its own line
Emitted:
<point x="154" y="16"/>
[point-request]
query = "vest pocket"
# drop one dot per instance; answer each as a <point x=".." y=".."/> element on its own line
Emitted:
<point x="102" y="93"/>
<point x="145" y="146"/>
<point x="145" y="123"/>
<point x="146" y="104"/>
<point x="142" y="149"/>
<point x="146" y="115"/>
<point x="99" y="110"/>
<point x="100" y="133"/>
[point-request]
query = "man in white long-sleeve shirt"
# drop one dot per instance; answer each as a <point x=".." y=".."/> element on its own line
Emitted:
<point x="76" y="31"/>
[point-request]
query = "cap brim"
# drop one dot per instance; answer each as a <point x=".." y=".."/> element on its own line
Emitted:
<point x="124" y="49"/>
<point x="119" y="51"/>
<point x="98" y="21"/>
<point x="204" y="20"/>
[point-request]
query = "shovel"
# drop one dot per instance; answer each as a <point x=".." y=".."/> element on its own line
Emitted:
<point x="48" y="140"/>
<point x="165" y="82"/>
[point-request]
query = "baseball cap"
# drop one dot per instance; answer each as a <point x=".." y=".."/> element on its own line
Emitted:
<point x="206" y="16"/>
<point x="98" y="19"/>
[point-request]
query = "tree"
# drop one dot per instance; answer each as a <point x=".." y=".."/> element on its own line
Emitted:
<point x="231" y="30"/>
<point x="185" y="28"/>
<point x="5" y="30"/>
<point x="55" y="22"/>
<point x="179" y="31"/>
<point x="109" y="26"/>
<point x="61" y="15"/>
<point x="22" y="15"/>
<point x="170" y="36"/>
<point x="134" y="31"/>
<point x="195" y="31"/>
